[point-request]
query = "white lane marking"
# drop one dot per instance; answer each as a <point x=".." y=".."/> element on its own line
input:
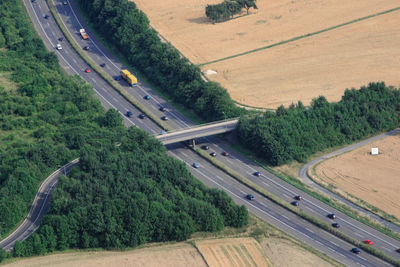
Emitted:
<point x="118" y="69"/>
<point x="287" y="218"/>
<point x="266" y="184"/>
<point x="265" y="213"/>
<point x="115" y="99"/>
<point x="309" y="230"/>
<point x="357" y="234"/>
<point x="326" y="211"/>
<point x="51" y="43"/>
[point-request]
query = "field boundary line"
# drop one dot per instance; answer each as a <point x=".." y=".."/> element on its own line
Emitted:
<point x="301" y="36"/>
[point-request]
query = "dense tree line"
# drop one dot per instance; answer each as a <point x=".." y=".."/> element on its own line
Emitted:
<point x="128" y="29"/>
<point x="296" y="132"/>
<point x="127" y="195"/>
<point x="38" y="115"/>
<point x="228" y="8"/>
<point x="120" y="195"/>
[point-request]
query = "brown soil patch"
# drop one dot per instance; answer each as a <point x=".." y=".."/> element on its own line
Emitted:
<point x="284" y="253"/>
<point x="181" y="254"/>
<point x="374" y="179"/>
<point x="325" y="64"/>
<point x="232" y="252"/>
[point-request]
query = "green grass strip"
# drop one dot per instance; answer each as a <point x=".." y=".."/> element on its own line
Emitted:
<point x="327" y="200"/>
<point x="317" y="222"/>
<point x="301" y="36"/>
<point x="102" y="73"/>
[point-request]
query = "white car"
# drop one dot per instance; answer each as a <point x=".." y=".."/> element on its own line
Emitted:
<point x="59" y="47"/>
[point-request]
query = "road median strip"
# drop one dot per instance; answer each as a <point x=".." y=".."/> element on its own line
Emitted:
<point x="287" y="206"/>
<point x="102" y="73"/>
<point x="352" y="213"/>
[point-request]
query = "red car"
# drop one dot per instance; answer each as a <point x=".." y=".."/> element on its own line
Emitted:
<point x="87" y="70"/>
<point x="225" y="153"/>
<point x="368" y="242"/>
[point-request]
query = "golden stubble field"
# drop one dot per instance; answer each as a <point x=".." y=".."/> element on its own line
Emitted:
<point x="213" y="253"/>
<point x="375" y="179"/>
<point x="324" y="64"/>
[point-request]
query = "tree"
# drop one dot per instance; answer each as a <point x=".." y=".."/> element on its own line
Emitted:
<point x="3" y="254"/>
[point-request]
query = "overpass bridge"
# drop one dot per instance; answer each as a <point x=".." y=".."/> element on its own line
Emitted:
<point x="198" y="131"/>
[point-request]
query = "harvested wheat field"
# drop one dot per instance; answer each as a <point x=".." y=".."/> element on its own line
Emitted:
<point x="323" y="64"/>
<point x="375" y="179"/>
<point x="232" y="252"/>
<point x="284" y="253"/>
<point x="217" y="252"/>
<point x="181" y="254"/>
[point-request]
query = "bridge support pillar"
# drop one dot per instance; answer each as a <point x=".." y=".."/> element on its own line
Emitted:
<point x="193" y="143"/>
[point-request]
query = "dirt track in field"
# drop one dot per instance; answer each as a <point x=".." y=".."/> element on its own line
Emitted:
<point x="325" y="64"/>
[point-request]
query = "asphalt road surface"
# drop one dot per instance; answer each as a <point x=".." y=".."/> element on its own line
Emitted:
<point x="207" y="173"/>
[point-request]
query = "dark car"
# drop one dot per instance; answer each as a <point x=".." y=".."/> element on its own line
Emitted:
<point x="129" y="114"/>
<point x="356" y="250"/>
<point x="213" y="154"/>
<point x="102" y="65"/>
<point x="225" y="154"/>
<point x="250" y="197"/>
<point x="331" y="216"/>
<point x="205" y="147"/>
<point x="398" y="250"/>
<point x="295" y="203"/>
<point x="164" y="118"/>
<point x="117" y="78"/>
<point x="195" y="165"/>
<point x="162" y="108"/>
<point x="46" y="16"/>
<point x="298" y="198"/>
<point x="87" y="48"/>
<point x="336" y="225"/>
<point x="257" y="174"/>
<point x="142" y="116"/>
<point x="147" y="97"/>
<point x="33" y="1"/>
<point x="61" y="39"/>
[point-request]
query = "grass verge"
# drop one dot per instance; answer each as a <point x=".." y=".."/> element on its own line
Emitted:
<point x="166" y="96"/>
<point x="325" y="199"/>
<point x="102" y="73"/>
<point x="303" y="215"/>
<point x="360" y="202"/>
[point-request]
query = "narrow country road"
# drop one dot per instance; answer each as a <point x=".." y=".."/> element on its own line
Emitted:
<point x="38" y="209"/>
<point x="303" y="174"/>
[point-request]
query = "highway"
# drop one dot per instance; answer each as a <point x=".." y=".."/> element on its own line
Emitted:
<point x="207" y="173"/>
<point x="303" y="174"/>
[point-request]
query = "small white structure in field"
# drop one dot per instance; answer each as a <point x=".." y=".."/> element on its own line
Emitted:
<point x="210" y="72"/>
<point x="374" y="151"/>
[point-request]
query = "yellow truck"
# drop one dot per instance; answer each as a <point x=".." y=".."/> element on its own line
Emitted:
<point x="129" y="77"/>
